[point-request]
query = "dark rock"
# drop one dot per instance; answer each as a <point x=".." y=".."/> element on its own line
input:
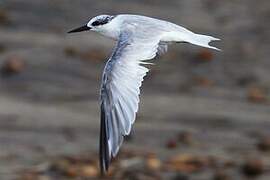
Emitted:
<point x="253" y="167"/>
<point x="205" y="55"/>
<point x="4" y="17"/>
<point x="13" y="65"/>
<point x="257" y="95"/>
<point x="264" y="144"/>
<point x="171" y="144"/>
<point x="180" y="176"/>
<point x="2" y="48"/>
<point x="185" y="138"/>
<point x="221" y="175"/>
<point x="71" y="51"/>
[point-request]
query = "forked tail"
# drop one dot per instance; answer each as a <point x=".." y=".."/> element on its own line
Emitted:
<point x="184" y="35"/>
<point x="202" y="40"/>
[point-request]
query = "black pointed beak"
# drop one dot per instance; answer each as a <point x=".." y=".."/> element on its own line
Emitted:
<point x="80" y="29"/>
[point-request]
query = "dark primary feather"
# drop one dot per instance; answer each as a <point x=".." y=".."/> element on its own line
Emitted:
<point x="104" y="156"/>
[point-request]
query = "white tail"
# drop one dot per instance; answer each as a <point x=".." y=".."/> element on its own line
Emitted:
<point x="202" y="40"/>
<point x="184" y="35"/>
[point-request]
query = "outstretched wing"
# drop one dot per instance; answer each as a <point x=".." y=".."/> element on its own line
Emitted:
<point x="122" y="79"/>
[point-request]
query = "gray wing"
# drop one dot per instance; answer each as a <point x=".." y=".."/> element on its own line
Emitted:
<point x="122" y="79"/>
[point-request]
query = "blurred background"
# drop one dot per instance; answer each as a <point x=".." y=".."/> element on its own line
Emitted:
<point x="204" y="115"/>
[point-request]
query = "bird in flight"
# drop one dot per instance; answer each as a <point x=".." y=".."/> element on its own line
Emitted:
<point x="139" y="39"/>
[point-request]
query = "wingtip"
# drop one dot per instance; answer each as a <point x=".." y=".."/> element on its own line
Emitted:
<point x="104" y="154"/>
<point x="104" y="166"/>
<point x="103" y="170"/>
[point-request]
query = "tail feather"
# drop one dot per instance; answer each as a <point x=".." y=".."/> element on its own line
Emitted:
<point x="202" y="40"/>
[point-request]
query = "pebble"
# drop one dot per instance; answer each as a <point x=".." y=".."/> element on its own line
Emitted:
<point x="185" y="138"/>
<point x="153" y="163"/>
<point x="13" y="65"/>
<point x="256" y="95"/>
<point x="171" y="144"/>
<point x="264" y="144"/>
<point x="205" y="55"/>
<point x="180" y="176"/>
<point x="253" y="167"/>
<point x="221" y="175"/>
<point x="3" y="17"/>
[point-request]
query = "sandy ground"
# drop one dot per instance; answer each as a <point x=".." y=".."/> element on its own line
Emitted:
<point x="49" y="107"/>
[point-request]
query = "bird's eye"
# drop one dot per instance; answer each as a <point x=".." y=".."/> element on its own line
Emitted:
<point x="96" y="23"/>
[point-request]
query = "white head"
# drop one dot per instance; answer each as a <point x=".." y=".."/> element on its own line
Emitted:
<point x="99" y="23"/>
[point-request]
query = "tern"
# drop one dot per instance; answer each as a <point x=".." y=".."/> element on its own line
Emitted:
<point x="139" y="39"/>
